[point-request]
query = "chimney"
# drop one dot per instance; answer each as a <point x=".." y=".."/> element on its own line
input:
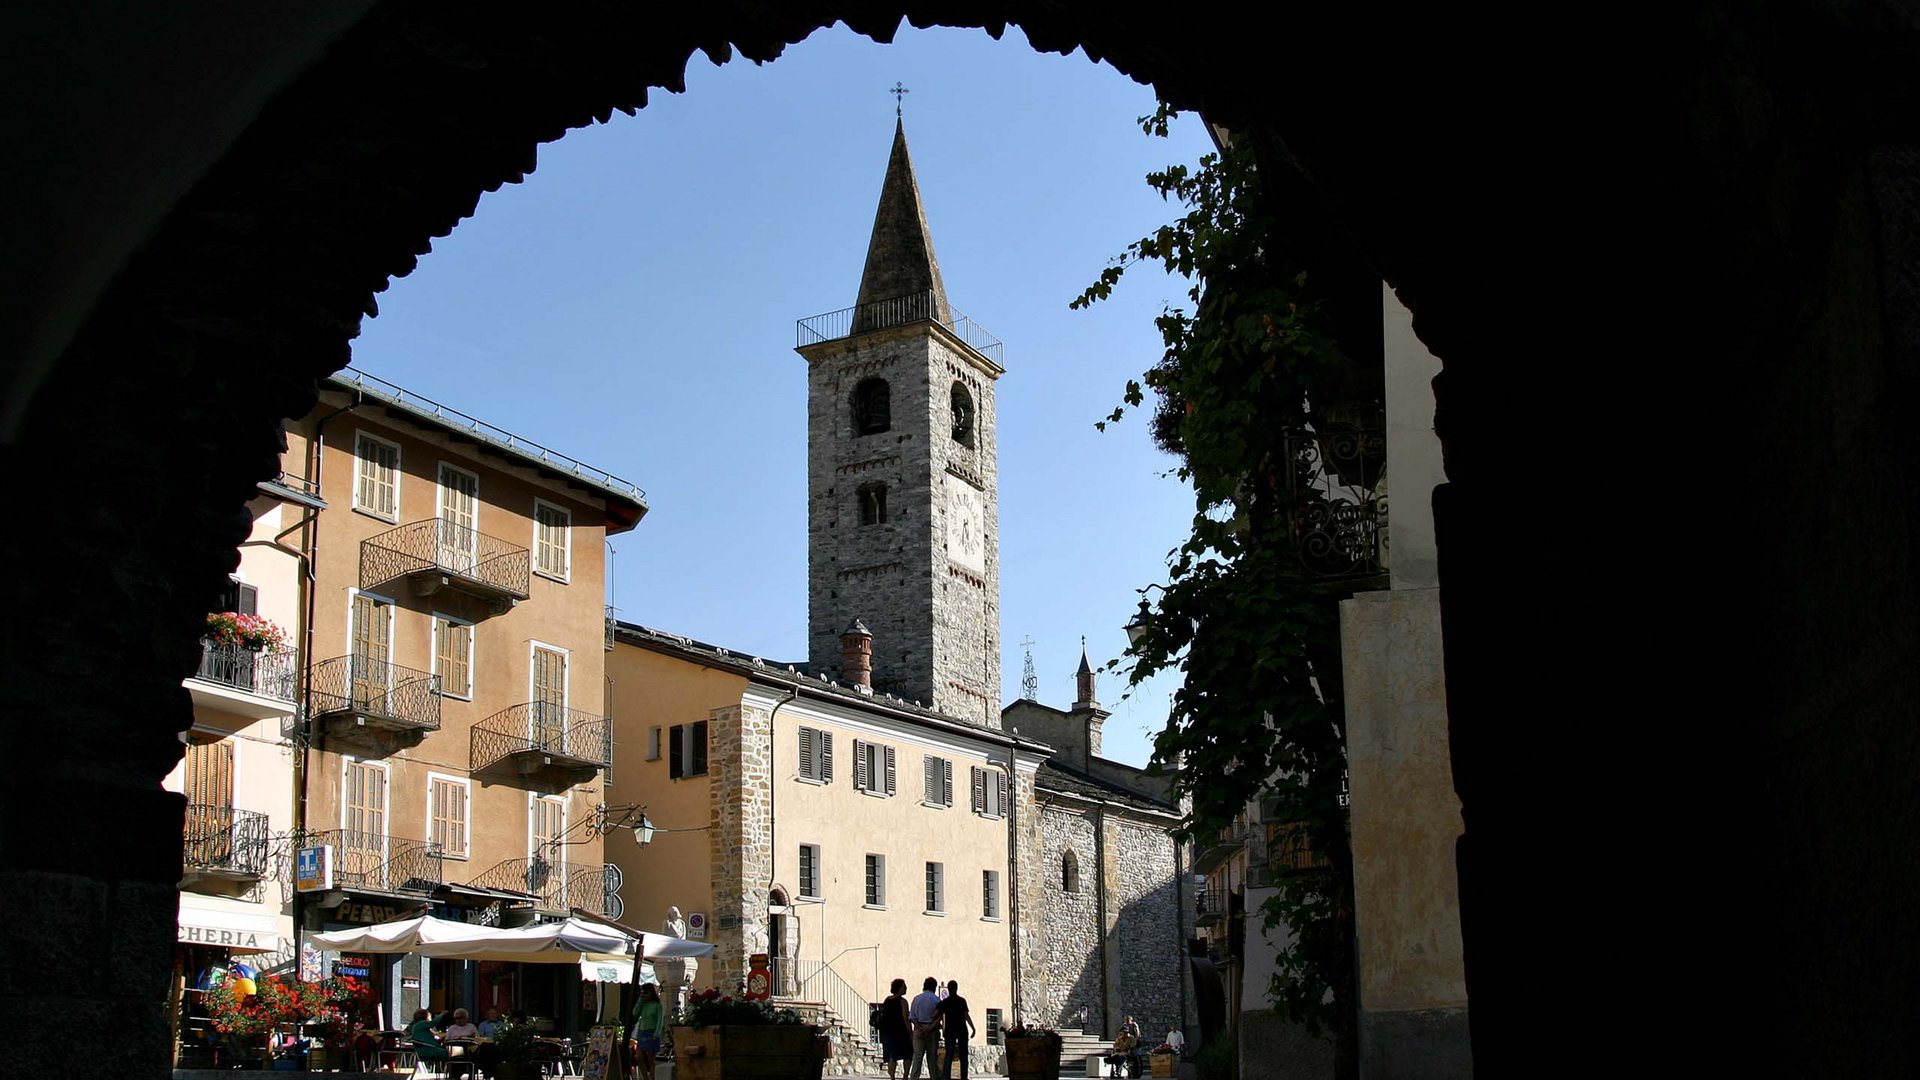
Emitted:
<point x="856" y="656"/>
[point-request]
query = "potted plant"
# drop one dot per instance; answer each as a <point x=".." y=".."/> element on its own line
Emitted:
<point x="1033" y="1052"/>
<point x="1163" y="1060"/>
<point x="241" y="1018"/>
<point x="515" y="1044"/>
<point x="726" y="1038"/>
<point x="256" y="632"/>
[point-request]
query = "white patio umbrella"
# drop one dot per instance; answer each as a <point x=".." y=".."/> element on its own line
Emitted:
<point x="418" y="934"/>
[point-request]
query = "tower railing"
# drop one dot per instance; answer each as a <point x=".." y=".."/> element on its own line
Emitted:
<point x="898" y="311"/>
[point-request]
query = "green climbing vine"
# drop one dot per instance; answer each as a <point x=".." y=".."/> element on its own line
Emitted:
<point x="1257" y="716"/>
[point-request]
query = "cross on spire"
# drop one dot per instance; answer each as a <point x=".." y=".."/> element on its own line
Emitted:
<point x="899" y="93"/>
<point x="1029" y="679"/>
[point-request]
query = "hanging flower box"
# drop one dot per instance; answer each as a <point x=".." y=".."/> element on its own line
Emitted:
<point x="257" y="632"/>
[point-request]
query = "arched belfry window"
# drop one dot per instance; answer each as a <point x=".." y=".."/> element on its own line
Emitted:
<point x="1069" y="872"/>
<point x="873" y="504"/>
<point x="962" y="415"/>
<point x="872" y="407"/>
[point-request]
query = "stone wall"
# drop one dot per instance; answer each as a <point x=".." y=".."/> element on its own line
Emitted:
<point x="1145" y="914"/>
<point x="1072" y="922"/>
<point x="1031" y="941"/>
<point x="740" y="837"/>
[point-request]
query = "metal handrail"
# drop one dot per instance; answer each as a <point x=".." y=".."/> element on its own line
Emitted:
<point x="441" y="545"/>
<point x="898" y="311"/>
<point x="270" y="674"/>
<point x="847" y="1006"/>
<point x="224" y="838"/>
<point x="372" y="860"/>
<point x="395" y="395"/>
<point x="401" y="695"/>
<point x="544" y="727"/>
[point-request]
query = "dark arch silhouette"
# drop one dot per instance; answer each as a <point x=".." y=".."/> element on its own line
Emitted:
<point x="872" y="407"/>
<point x="181" y="278"/>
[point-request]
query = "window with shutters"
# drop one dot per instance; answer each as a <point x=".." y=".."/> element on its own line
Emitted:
<point x="989" y="792"/>
<point x="937" y="778"/>
<point x="687" y="749"/>
<point x="363" y="823"/>
<point x="990" y="894"/>
<point x="546" y="854"/>
<point x="370" y="646"/>
<point x="547" y="720"/>
<point x="876" y="881"/>
<point x="376" y="481"/>
<point x="453" y="656"/>
<point x="810" y="871"/>
<point x="239" y="598"/>
<point x="552" y="540"/>
<point x="459" y="520"/>
<point x="447" y="798"/>
<point x="936" y="889"/>
<point x="994" y="1024"/>
<point x="873" y="768"/>
<point x="816" y="755"/>
<point x="209" y="774"/>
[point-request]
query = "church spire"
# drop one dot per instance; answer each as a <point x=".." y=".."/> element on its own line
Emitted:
<point x="1083" y="681"/>
<point x="900" y="262"/>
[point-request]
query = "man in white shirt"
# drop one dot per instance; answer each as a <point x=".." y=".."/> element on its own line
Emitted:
<point x="1177" y="1040"/>
<point x="925" y="1029"/>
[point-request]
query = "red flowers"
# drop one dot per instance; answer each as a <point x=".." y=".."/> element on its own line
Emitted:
<point x="251" y="631"/>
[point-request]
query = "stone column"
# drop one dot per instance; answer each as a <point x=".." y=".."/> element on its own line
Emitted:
<point x="740" y="777"/>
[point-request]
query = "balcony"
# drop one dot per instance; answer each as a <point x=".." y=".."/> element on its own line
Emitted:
<point x="246" y="683"/>
<point x="377" y="862"/>
<point x="382" y="706"/>
<point x="1211" y="906"/>
<point x="543" y="743"/>
<point x="433" y="555"/>
<point x="923" y="307"/>
<point x="1226" y="843"/>
<point x="555" y="886"/>
<point x="224" y="851"/>
<point x="1337" y="489"/>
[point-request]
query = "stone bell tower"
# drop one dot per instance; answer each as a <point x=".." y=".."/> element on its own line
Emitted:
<point x="902" y="501"/>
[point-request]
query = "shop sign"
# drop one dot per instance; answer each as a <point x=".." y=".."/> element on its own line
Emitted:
<point x="313" y="869"/>
<point x="354" y="911"/>
<point x="311" y="962"/>
<point x="697" y="926"/>
<point x="409" y="982"/>
<point x="359" y="967"/>
<point x="249" y="940"/>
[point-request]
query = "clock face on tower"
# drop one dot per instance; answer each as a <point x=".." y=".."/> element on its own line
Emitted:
<point x="966" y="525"/>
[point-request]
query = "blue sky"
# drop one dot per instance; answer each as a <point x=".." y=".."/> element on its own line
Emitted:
<point x="632" y="304"/>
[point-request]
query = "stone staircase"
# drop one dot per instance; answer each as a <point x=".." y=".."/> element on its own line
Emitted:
<point x="1075" y="1046"/>
<point x="856" y="1050"/>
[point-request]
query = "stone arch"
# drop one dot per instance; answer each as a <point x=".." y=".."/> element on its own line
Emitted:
<point x="964" y="415"/>
<point x="872" y="407"/>
<point x="1069" y="871"/>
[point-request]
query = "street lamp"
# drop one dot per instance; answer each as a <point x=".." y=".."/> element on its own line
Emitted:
<point x="1136" y="628"/>
<point x="643" y="831"/>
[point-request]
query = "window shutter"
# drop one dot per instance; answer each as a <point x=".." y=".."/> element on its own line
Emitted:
<point x="806" y="753"/>
<point x="1000" y="805"/>
<point x="946" y="782"/>
<point x="826" y="757"/>
<point x="932" y="783"/>
<point x="676" y="741"/>
<point x="248" y="599"/>
<point x="860" y="771"/>
<point x="699" y="749"/>
<point x="457" y="812"/>
<point x="979" y="790"/>
<point x="890" y="776"/>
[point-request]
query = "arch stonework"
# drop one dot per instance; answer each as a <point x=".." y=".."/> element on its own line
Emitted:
<point x="1439" y="159"/>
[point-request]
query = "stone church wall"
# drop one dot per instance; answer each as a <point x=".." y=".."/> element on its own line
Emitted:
<point x="1146" y="915"/>
<point x="1072" y="923"/>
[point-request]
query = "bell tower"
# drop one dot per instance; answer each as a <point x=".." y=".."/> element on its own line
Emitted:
<point x="902" y="499"/>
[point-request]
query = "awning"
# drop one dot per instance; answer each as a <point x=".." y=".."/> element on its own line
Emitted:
<point x="610" y="970"/>
<point x="232" y="924"/>
<point x="565" y="942"/>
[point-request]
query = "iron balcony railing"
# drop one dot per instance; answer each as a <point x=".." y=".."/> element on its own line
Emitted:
<point x="388" y="695"/>
<point x="221" y="838"/>
<point x="269" y="674"/>
<point x="899" y="311"/>
<point x="1338" y="494"/>
<point x="1210" y="905"/>
<point x="379" y="862"/>
<point x="555" y="885"/>
<point x="471" y="560"/>
<point x="572" y="737"/>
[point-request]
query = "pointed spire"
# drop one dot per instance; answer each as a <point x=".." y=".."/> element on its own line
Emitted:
<point x="900" y="260"/>
<point x="1083" y="681"/>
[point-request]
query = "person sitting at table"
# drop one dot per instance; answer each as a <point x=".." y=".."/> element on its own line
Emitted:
<point x="492" y="1024"/>
<point x="426" y="1044"/>
<point x="462" y="1027"/>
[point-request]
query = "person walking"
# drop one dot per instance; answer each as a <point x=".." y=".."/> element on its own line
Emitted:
<point x="925" y="1029"/>
<point x="649" y="1027"/>
<point x="958" y="1019"/>
<point x="896" y="1035"/>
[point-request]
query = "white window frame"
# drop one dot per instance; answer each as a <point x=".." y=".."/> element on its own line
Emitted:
<point x="817" y="884"/>
<point x="653" y="743"/>
<point x="467" y="829"/>
<point x="935" y="882"/>
<point x="945" y="765"/>
<point x="393" y="629"/>
<point x="347" y="761"/>
<point x="566" y="542"/>
<point x="874" y="884"/>
<point x="566" y="687"/>
<point x="684" y="763"/>
<point x="440" y="510"/>
<point x="822" y="753"/>
<point x="366" y="437"/>
<point x="876" y="761"/>
<point x="433" y="664"/>
<point x="559" y="859"/>
<point x="994" y="791"/>
<point x="989" y="896"/>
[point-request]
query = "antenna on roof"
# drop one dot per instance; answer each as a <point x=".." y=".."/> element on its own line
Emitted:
<point x="1029" y="679"/>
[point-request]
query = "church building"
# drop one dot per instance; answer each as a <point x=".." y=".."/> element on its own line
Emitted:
<point x="872" y="812"/>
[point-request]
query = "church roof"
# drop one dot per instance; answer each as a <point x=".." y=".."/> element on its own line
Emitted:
<point x="1056" y="775"/>
<point x="900" y="259"/>
<point x="794" y="676"/>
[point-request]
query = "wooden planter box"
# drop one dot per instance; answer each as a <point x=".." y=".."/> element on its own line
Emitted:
<point x="1033" y="1059"/>
<point x="730" y="1052"/>
<point x="1165" y="1064"/>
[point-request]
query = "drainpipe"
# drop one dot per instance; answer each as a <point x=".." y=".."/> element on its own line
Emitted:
<point x="1013" y="871"/>
<point x="303" y="724"/>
